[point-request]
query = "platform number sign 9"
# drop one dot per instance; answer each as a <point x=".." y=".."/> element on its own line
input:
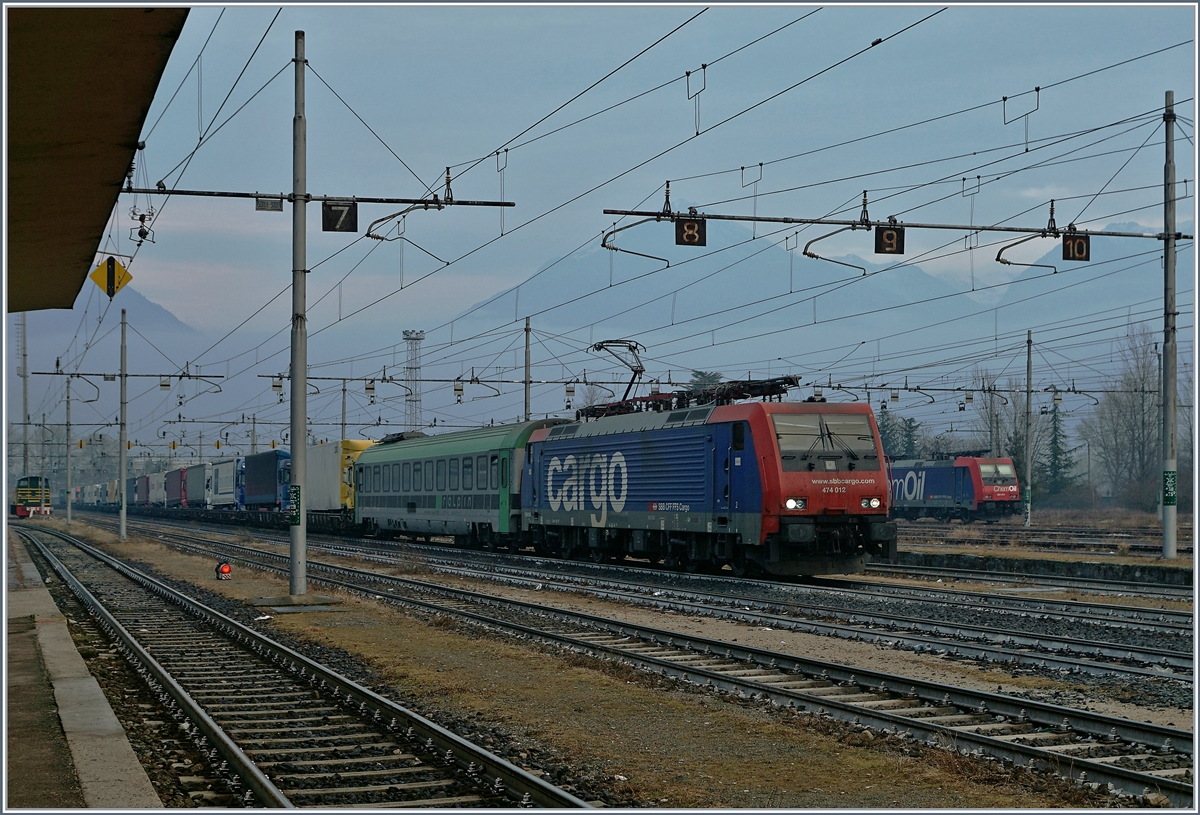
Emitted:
<point x="690" y="232"/>
<point x="339" y="216"/>
<point x="889" y="240"/>
<point x="1077" y="247"/>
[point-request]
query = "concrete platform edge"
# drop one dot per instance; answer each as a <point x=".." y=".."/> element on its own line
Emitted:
<point x="109" y="772"/>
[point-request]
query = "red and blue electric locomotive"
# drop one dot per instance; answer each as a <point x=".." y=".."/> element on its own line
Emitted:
<point x="968" y="488"/>
<point x="783" y="488"/>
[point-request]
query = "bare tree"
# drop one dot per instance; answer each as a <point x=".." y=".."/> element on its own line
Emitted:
<point x="594" y="395"/>
<point x="1124" y="429"/>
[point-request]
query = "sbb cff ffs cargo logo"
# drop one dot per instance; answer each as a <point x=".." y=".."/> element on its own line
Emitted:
<point x="596" y="481"/>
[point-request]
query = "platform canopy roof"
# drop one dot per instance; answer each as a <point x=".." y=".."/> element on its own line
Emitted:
<point x="80" y="83"/>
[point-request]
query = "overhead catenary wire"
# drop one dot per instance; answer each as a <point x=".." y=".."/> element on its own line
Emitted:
<point x="618" y="176"/>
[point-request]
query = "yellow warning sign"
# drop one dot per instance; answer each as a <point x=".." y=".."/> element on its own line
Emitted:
<point x="110" y="276"/>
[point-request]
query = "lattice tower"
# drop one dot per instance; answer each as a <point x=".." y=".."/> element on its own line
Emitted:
<point x="412" y="378"/>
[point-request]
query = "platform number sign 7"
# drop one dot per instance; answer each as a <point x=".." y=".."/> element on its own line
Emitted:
<point x="690" y="232"/>
<point x="1077" y="247"/>
<point x="339" y="216"/>
<point x="889" y="240"/>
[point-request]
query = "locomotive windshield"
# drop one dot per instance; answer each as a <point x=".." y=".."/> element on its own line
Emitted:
<point x="818" y="441"/>
<point x="997" y="473"/>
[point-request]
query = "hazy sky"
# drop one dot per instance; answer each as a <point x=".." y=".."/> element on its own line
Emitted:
<point x="593" y="108"/>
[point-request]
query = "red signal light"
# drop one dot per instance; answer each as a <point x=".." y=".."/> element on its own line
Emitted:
<point x="224" y="571"/>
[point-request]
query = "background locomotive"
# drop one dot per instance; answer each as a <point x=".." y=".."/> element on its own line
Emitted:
<point x="967" y="488"/>
<point x="32" y="497"/>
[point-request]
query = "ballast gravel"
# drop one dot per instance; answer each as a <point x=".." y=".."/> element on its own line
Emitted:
<point x="618" y="737"/>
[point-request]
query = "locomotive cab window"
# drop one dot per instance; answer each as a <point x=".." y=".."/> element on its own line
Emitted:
<point x="998" y="473"/>
<point x="739" y="436"/>
<point x="839" y="441"/>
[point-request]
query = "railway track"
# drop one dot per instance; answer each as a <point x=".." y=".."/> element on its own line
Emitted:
<point x="1040" y="581"/>
<point x="1025" y="580"/>
<point x="279" y="729"/>
<point x="1091" y="638"/>
<point x="1139" y="540"/>
<point x="1088" y="747"/>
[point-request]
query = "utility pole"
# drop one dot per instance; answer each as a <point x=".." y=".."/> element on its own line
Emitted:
<point x="68" y="451"/>
<point x="253" y="434"/>
<point x="24" y="338"/>
<point x="299" y="407"/>
<point x="299" y="198"/>
<point x="122" y="454"/>
<point x="42" y="491"/>
<point x="1028" y="422"/>
<point x="527" y="369"/>
<point x="1169" y="452"/>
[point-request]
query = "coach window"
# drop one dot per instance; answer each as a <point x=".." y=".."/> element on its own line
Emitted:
<point x="495" y="472"/>
<point x="406" y="477"/>
<point x="416" y="476"/>
<point x="481" y="472"/>
<point x="441" y="475"/>
<point x="468" y="474"/>
<point x="428" y="476"/>
<point x="395" y="478"/>
<point x="358" y="485"/>
<point x="375" y="485"/>
<point x="453" y="475"/>
<point x="387" y="479"/>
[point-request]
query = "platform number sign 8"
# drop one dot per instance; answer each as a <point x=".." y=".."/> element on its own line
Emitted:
<point x="339" y="216"/>
<point x="889" y="240"/>
<point x="1077" y="247"/>
<point x="690" y="232"/>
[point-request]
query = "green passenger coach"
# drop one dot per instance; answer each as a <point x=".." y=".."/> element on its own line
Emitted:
<point x="465" y="484"/>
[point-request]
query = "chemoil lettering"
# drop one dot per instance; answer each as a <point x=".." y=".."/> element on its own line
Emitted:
<point x="909" y="488"/>
<point x="603" y="480"/>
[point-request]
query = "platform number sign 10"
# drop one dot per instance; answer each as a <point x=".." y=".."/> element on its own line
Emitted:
<point x="889" y="240"/>
<point x="339" y="216"/>
<point x="1077" y="247"/>
<point x="690" y="232"/>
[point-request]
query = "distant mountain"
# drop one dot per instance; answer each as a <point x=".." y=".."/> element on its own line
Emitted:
<point x="1122" y="273"/>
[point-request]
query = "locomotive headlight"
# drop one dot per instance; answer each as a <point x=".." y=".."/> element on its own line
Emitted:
<point x="796" y="503"/>
<point x="871" y="503"/>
